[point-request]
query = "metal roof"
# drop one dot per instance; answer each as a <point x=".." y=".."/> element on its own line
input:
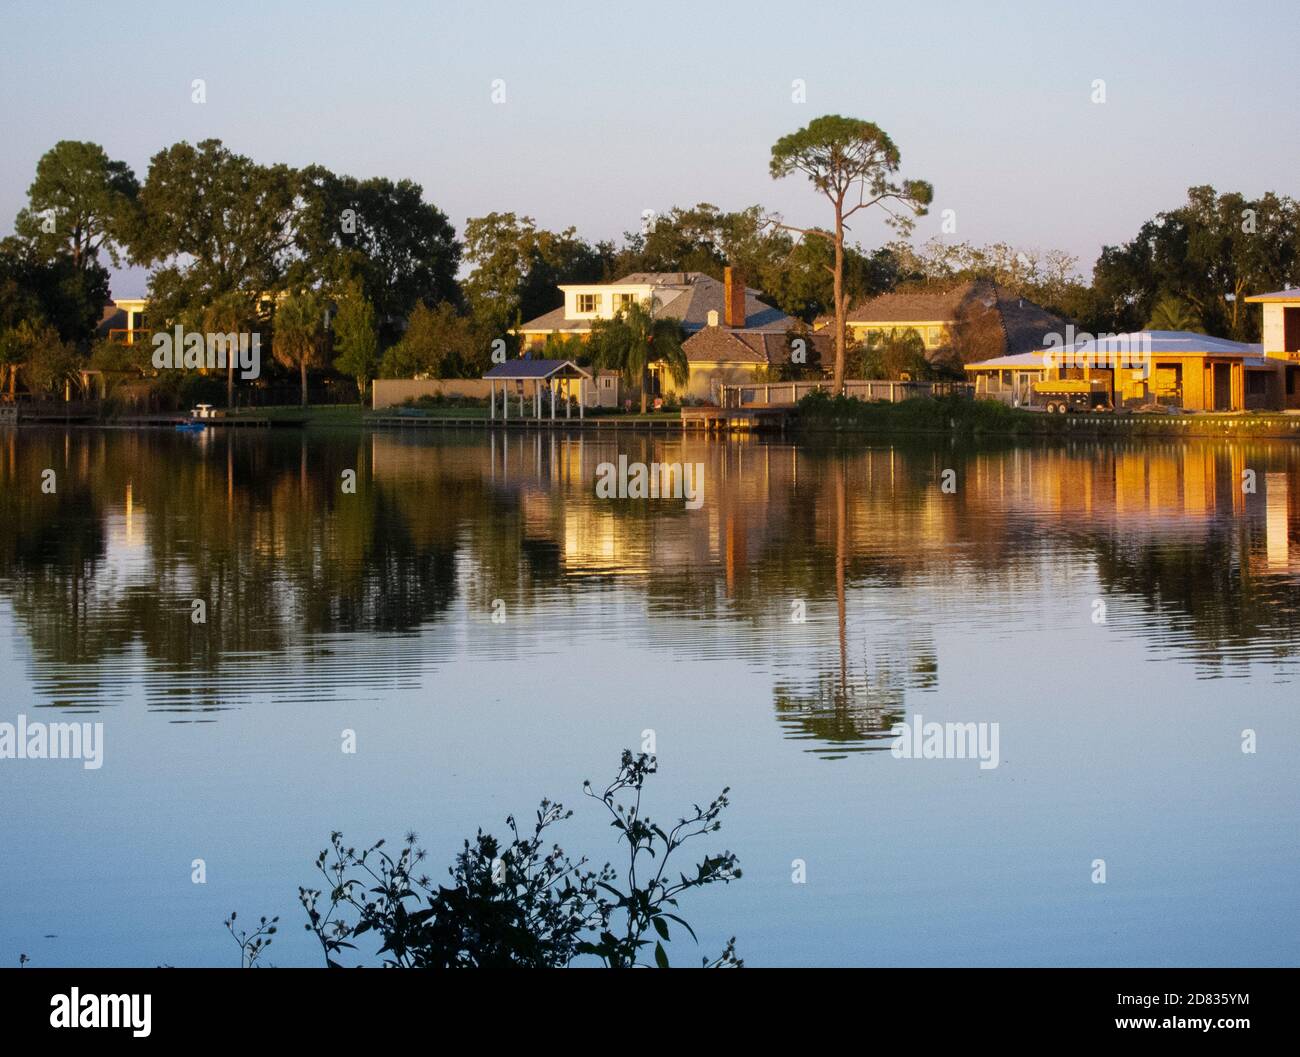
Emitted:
<point x="1160" y="342"/>
<point x="526" y="369"/>
<point x="1032" y="361"/>
<point x="1152" y="342"/>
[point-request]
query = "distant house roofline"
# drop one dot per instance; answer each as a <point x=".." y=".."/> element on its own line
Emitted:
<point x="1276" y="295"/>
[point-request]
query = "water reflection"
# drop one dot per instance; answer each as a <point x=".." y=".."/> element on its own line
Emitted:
<point x="312" y="592"/>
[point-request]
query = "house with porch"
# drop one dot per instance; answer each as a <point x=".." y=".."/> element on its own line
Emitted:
<point x="1178" y="369"/>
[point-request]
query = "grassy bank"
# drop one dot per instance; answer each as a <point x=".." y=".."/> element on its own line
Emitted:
<point x="312" y="415"/>
<point x="956" y="415"/>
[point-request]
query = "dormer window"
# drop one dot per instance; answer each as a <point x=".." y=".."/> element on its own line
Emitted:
<point x="589" y="302"/>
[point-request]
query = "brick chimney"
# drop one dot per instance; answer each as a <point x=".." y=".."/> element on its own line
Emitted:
<point x="733" y="297"/>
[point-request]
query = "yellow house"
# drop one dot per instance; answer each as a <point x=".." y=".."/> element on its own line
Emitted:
<point x="720" y="355"/>
<point x="971" y="320"/>
<point x="1180" y="369"/>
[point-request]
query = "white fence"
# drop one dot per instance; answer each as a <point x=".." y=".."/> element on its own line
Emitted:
<point x="787" y="394"/>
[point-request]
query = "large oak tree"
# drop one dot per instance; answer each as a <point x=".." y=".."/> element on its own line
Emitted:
<point x="212" y="224"/>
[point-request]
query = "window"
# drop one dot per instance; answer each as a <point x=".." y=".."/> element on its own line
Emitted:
<point x="623" y="300"/>
<point x="607" y="383"/>
<point x="589" y="302"/>
<point x="1257" y="383"/>
<point x="1291" y="330"/>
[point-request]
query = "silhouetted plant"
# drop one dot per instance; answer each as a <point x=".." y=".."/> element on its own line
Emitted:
<point x="642" y="906"/>
<point x="251" y="945"/>
<point x="522" y="904"/>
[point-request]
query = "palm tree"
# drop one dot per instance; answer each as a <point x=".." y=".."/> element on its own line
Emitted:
<point x="633" y="340"/>
<point x="299" y="327"/>
<point x="226" y="315"/>
<point x="1173" y="313"/>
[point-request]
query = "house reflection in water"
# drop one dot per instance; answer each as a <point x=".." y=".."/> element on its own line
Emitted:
<point x="316" y="592"/>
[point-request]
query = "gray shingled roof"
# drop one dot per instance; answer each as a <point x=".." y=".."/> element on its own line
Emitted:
<point x="723" y="345"/>
<point x="698" y="295"/>
<point x="916" y="305"/>
<point x="1024" y="324"/>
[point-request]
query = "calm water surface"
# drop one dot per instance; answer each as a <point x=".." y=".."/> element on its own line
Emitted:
<point x="1122" y="612"/>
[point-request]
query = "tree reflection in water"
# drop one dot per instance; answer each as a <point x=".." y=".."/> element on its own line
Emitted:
<point x="312" y="592"/>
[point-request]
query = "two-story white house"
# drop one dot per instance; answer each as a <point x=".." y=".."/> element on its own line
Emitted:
<point x="1281" y="339"/>
<point x="687" y="297"/>
<point x="706" y="308"/>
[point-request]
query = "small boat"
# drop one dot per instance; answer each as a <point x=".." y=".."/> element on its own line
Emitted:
<point x="189" y="427"/>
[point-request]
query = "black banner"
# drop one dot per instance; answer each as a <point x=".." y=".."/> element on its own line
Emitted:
<point x="182" y="1005"/>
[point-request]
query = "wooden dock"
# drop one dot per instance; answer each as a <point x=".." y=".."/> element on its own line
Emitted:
<point x="173" y="420"/>
<point x="665" y="424"/>
<point x="715" y="419"/>
<point x="736" y="419"/>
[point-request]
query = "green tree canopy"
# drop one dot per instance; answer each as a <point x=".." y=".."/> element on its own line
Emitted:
<point x="54" y="290"/>
<point x="438" y="343"/>
<point x="1211" y="253"/>
<point x="211" y="223"/>
<point x="49" y="363"/>
<point x="401" y="248"/>
<point x="517" y="267"/>
<point x="79" y="203"/>
<point x="356" y="344"/>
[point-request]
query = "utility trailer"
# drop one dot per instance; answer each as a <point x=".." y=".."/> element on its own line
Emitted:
<point x="1063" y="395"/>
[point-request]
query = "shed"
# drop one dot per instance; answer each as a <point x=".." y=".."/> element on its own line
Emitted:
<point x="546" y="375"/>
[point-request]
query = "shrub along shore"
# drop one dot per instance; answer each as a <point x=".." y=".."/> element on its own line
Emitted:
<point x="956" y="415"/>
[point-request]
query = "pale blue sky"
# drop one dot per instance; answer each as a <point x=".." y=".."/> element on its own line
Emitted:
<point x="610" y="111"/>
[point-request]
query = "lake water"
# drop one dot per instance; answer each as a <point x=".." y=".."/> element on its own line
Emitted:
<point x="1125" y="613"/>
